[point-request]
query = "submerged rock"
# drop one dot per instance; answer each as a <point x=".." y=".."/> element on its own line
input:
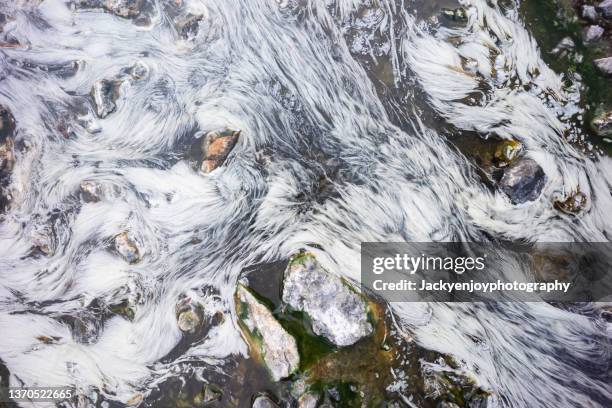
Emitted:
<point x="604" y="65"/>
<point x="573" y="203"/>
<point x="210" y="394"/>
<point x="523" y="181"/>
<point x="605" y="9"/>
<point x="127" y="248"/>
<point x="264" y="401"/>
<point x="104" y="94"/>
<point x="216" y="146"/>
<point x="91" y="192"/>
<point x="265" y="336"/>
<point x="458" y="14"/>
<point x="188" y="315"/>
<point x="337" y="312"/>
<point x="593" y="33"/>
<point x="602" y="124"/>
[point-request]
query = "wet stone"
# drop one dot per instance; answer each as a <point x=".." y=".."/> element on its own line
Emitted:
<point x="265" y="336"/>
<point x="602" y="124"/>
<point x="308" y="400"/>
<point x="91" y="192"/>
<point x="264" y="401"/>
<point x="337" y="312"/>
<point x="135" y="400"/>
<point x="604" y="65"/>
<point x="124" y="8"/>
<point x="126" y="247"/>
<point x="446" y="404"/>
<point x="7" y="124"/>
<point x="139" y="70"/>
<point x="523" y="181"/>
<point x="593" y="33"/>
<point x="458" y="14"/>
<point x="573" y="203"/>
<point x="209" y="395"/>
<point x="104" y="94"/>
<point x="566" y="44"/>
<point x="7" y="157"/>
<point x="188" y="321"/>
<point x="188" y="25"/>
<point x="589" y="13"/>
<point x="605" y="9"/>
<point x="216" y="146"/>
<point x="507" y="152"/>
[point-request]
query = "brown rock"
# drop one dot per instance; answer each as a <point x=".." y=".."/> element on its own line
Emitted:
<point x="572" y="203"/>
<point x="216" y="146"/>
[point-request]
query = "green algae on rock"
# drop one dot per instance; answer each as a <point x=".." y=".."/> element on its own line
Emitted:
<point x="266" y="338"/>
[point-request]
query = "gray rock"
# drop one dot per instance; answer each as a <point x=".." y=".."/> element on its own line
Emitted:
<point x="337" y="312"/>
<point x="266" y="336"/>
<point x="127" y="248"/>
<point x="604" y="65"/>
<point x="139" y="70"/>
<point x="593" y="33"/>
<point x="523" y="181"/>
<point x="91" y="192"/>
<point x="589" y="13"/>
<point x="602" y="124"/>
<point x="564" y="46"/>
<point x="605" y="9"/>
<point x="308" y="400"/>
<point x="264" y="402"/>
<point x="104" y="94"/>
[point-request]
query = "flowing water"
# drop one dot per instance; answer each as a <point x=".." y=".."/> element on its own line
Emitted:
<point x="353" y="115"/>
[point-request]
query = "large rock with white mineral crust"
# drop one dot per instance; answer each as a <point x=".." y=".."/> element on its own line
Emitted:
<point x="265" y="336"/>
<point x="336" y="310"/>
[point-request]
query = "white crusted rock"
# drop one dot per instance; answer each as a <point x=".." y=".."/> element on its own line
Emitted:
<point x="337" y="312"/>
<point x="266" y="336"/>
